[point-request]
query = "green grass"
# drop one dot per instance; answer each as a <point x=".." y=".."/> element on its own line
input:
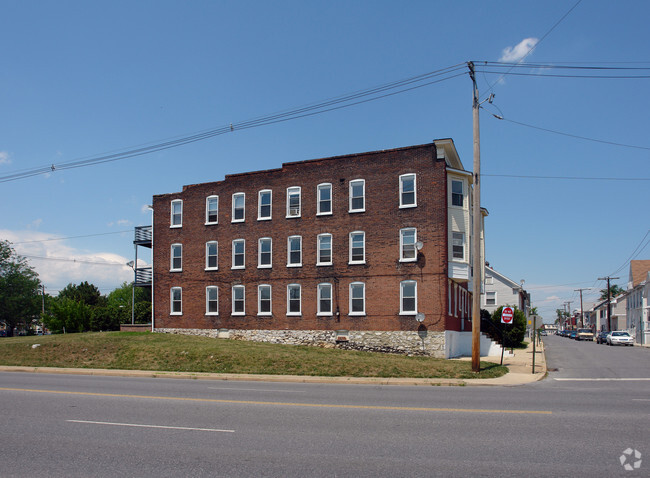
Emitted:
<point x="181" y="353"/>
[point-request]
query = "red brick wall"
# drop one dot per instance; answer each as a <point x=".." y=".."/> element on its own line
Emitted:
<point x="381" y="222"/>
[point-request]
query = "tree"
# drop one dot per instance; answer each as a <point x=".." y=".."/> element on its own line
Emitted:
<point x="19" y="289"/>
<point x="84" y="292"/>
<point x="68" y="315"/>
<point x="513" y="334"/>
<point x="614" y="290"/>
<point x="120" y="299"/>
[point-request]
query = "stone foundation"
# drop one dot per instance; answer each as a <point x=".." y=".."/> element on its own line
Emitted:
<point x="398" y="342"/>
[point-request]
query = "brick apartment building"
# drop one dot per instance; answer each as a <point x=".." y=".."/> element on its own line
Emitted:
<point x="366" y="251"/>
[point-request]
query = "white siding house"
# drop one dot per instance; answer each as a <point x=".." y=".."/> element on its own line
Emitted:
<point x="638" y="309"/>
<point x="500" y="291"/>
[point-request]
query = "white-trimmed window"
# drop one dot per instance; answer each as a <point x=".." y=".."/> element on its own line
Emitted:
<point x="211" y="255"/>
<point x="324" y="199"/>
<point x="212" y="210"/>
<point x="489" y="280"/>
<point x="264" y="205"/>
<point x="408" y="297"/>
<point x="293" y="299"/>
<point x="357" y="247"/>
<point x="238" y="207"/>
<point x="176" y="263"/>
<point x="457" y="193"/>
<point x="238" y="300"/>
<point x="264" y="252"/>
<point x="357" y="298"/>
<point x="324" y="299"/>
<point x="358" y="195"/>
<point x="324" y="250"/>
<point x="176" y="301"/>
<point x="407" y="191"/>
<point x="264" y="299"/>
<point x="293" y="201"/>
<point x="491" y="298"/>
<point x="239" y="254"/>
<point x="407" y="239"/>
<point x="212" y="300"/>
<point x="294" y="251"/>
<point x="176" y="219"/>
<point x="458" y="245"/>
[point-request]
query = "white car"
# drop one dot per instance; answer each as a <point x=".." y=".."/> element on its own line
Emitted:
<point x="619" y="338"/>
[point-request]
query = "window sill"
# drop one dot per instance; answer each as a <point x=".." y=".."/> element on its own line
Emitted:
<point x="324" y="214"/>
<point x="324" y="314"/>
<point x="357" y="314"/>
<point x="238" y="267"/>
<point x="293" y="217"/>
<point x="408" y="260"/>
<point x="294" y="265"/>
<point x="212" y="314"/>
<point x="265" y="314"/>
<point x="353" y="211"/>
<point x="265" y="267"/>
<point x="211" y="268"/>
<point x="408" y="314"/>
<point x="356" y="263"/>
<point x="238" y="314"/>
<point x="175" y="270"/>
<point x="176" y="227"/>
<point x="263" y="218"/>
<point x="211" y="223"/>
<point x="176" y="313"/>
<point x="324" y="264"/>
<point x="408" y="206"/>
<point x="294" y="314"/>
<point x="238" y="220"/>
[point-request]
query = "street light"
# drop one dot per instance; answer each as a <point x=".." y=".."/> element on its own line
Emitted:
<point x="131" y="264"/>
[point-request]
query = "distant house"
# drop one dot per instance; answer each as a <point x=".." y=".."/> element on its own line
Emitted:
<point x="500" y="290"/>
<point x="637" y="307"/>
<point x="596" y="317"/>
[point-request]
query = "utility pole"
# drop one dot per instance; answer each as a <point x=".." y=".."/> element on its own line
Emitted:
<point x="609" y="301"/>
<point x="569" y="309"/>
<point x="476" y="219"/>
<point x="582" y="320"/>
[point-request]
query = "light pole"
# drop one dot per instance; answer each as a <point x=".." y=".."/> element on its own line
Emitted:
<point x="131" y="264"/>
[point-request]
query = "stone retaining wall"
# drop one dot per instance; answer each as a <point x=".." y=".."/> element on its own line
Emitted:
<point x="400" y="342"/>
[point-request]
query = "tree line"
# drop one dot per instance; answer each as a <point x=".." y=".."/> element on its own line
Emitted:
<point x="77" y="308"/>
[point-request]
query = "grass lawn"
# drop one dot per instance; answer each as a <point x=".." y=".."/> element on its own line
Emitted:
<point x="181" y="353"/>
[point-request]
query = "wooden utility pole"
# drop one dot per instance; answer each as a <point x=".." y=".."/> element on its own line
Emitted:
<point x="476" y="231"/>
<point x="582" y="320"/>
<point x="609" y="301"/>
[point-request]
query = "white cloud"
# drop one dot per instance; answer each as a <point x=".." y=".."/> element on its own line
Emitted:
<point x="58" y="264"/>
<point x="4" y="157"/>
<point x="518" y="52"/>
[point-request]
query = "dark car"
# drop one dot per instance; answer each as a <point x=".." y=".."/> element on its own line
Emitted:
<point x="601" y="337"/>
<point x="573" y="334"/>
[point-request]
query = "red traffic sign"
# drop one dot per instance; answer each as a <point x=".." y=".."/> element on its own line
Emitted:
<point x="507" y="314"/>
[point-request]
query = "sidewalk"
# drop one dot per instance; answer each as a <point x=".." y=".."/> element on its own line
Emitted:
<point x="519" y="365"/>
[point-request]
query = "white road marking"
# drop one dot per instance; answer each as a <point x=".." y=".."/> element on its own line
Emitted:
<point x="150" y="426"/>
<point x="602" y="379"/>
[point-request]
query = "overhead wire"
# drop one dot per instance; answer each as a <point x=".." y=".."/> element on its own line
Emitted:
<point x="343" y="101"/>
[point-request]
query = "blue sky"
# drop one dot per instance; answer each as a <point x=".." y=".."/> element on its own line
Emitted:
<point x="80" y="79"/>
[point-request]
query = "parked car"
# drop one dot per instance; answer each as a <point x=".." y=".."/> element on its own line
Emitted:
<point x="585" y="334"/>
<point x="601" y="337"/>
<point x="573" y="334"/>
<point x="619" y="337"/>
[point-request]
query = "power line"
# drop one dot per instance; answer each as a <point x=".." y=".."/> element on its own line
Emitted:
<point x="71" y="237"/>
<point x="340" y="102"/>
<point x="501" y="117"/>
<point x="632" y="256"/>
<point x="571" y="178"/>
<point x="72" y="259"/>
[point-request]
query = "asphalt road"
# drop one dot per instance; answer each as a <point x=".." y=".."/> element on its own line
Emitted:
<point x="573" y="423"/>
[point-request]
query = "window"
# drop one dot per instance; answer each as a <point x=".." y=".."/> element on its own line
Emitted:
<point x="490" y="298"/>
<point x="324" y="246"/>
<point x="294" y="251"/>
<point x="212" y="209"/>
<point x="357" y="247"/>
<point x="177" y="213"/>
<point x="457" y="193"/>
<point x="293" y="299"/>
<point x="293" y="202"/>
<point x="407" y="239"/>
<point x="176" y="301"/>
<point x="407" y="196"/>
<point x="458" y="245"/>
<point x="238" y="300"/>
<point x="324" y="299"/>
<point x="264" y="299"/>
<point x="238" y="203"/>
<point x="408" y="297"/>
<point x="264" y="205"/>
<point x="176" y="258"/>
<point x="212" y="300"/>
<point x="264" y="252"/>
<point x="358" y="195"/>
<point x="324" y="199"/>
<point x="238" y="253"/>
<point x="357" y="298"/>
<point x="489" y="280"/>
<point x="211" y="255"/>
